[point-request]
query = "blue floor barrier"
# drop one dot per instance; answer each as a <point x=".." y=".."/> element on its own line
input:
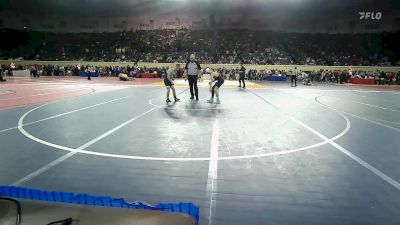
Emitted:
<point x="105" y="201"/>
<point x="276" y="78"/>
<point x="84" y="74"/>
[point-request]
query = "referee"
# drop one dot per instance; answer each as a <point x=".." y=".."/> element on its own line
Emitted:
<point x="193" y="72"/>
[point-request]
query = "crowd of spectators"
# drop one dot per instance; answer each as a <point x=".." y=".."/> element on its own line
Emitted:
<point x="75" y="70"/>
<point x="220" y="46"/>
<point x="314" y="76"/>
<point x="320" y="76"/>
<point x="344" y="76"/>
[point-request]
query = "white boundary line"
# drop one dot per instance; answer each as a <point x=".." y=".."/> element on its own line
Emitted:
<point x="344" y="112"/>
<point x="47" y="93"/>
<point x="354" y="115"/>
<point x="58" y="87"/>
<point x="24" y="132"/>
<point x="386" y="121"/>
<point x="6" y="92"/>
<point x="84" y="146"/>
<point x="363" y="163"/>
<point x="56" y="83"/>
<point x="363" y="103"/>
<point x="43" y="169"/>
<point x="375" y="106"/>
<point x="353" y="90"/>
<point x="213" y="169"/>
<point x="62" y="114"/>
<point x="360" y="117"/>
<point x="32" y="83"/>
<point x="283" y="152"/>
<point x="371" y="121"/>
<point x="352" y="156"/>
<point x="333" y="90"/>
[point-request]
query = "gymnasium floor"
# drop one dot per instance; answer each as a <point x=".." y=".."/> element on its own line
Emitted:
<point x="325" y="154"/>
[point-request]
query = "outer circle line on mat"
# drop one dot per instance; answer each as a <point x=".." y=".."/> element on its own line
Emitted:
<point x="110" y="155"/>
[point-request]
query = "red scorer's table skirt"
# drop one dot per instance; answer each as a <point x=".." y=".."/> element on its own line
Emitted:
<point x="362" y="81"/>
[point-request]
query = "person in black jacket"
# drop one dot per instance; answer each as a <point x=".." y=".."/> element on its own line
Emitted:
<point x="1" y="75"/>
<point x="88" y="73"/>
<point x="242" y="74"/>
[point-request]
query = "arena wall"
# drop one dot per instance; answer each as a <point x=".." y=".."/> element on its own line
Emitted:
<point x="71" y="24"/>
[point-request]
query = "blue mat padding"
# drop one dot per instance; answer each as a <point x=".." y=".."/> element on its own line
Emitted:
<point x="105" y="201"/>
<point x="84" y="74"/>
<point x="276" y="78"/>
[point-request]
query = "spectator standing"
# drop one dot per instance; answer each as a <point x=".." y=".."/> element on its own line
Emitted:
<point x="242" y="75"/>
<point x="88" y="73"/>
<point x="1" y="75"/>
<point x="382" y="78"/>
<point x="398" y="77"/>
<point x="294" y="77"/>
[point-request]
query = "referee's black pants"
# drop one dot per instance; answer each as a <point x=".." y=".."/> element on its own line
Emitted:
<point x="241" y="79"/>
<point x="194" y="91"/>
<point x="294" y="78"/>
